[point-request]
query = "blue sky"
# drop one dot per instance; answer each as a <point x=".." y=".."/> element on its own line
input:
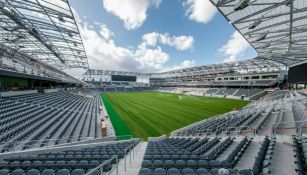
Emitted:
<point x="156" y="35"/>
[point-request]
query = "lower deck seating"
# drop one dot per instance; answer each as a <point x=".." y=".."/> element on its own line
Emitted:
<point x="233" y="92"/>
<point x="73" y="161"/>
<point x="36" y="120"/>
<point x="247" y="92"/>
<point x="254" y="118"/>
<point x="226" y="91"/>
<point x="212" y="91"/>
<point x="186" y="156"/>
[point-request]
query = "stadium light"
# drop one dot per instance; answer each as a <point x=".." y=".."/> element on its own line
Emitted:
<point x="34" y="31"/>
<point x="261" y="37"/>
<point x="265" y="45"/>
<point x="241" y="5"/>
<point x="70" y="34"/>
<point x="255" y="24"/>
<point x="61" y="18"/>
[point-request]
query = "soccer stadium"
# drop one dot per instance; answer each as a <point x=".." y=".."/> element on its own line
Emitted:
<point x="245" y="116"/>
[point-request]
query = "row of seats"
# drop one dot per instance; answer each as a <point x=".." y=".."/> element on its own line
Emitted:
<point x="76" y="161"/>
<point x="236" y="121"/>
<point x="124" y="89"/>
<point x="251" y="118"/>
<point x="233" y="92"/>
<point x="189" y="171"/>
<point x="37" y="120"/>
<point x="263" y="159"/>
<point x="170" y="153"/>
<point x="300" y="154"/>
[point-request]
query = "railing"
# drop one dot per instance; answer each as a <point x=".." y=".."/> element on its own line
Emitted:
<point x="206" y="132"/>
<point x="25" y="145"/>
<point x="128" y="153"/>
<point x="156" y="138"/>
<point x="124" y="137"/>
<point x="274" y="130"/>
<point x="278" y="120"/>
<point x="180" y="130"/>
<point x="105" y="167"/>
<point x="8" y="64"/>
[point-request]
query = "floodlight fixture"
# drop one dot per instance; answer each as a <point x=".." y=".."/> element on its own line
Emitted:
<point x="255" y="24"/>
<point x="241" y="5"/>
<point x="261" y="36"/>
<point x="61" y="18"/>
<point x="266" y="45"/>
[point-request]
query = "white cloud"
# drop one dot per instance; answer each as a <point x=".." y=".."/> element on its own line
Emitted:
<point x="132" y="12"/>
<point x="104" y="53"/>
<point x="105" y="32"/>
<point x="151" y="39"/>
<point x="181" y="42"/>
<point x="156" y="3"/>
<point x="235" y="47"/>
<point x="151" y="59"/>
<point x="184" y="64"/>
<point x="201" y="11"/>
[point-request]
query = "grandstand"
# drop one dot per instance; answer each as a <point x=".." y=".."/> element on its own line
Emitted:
<point x="54" y="124"/>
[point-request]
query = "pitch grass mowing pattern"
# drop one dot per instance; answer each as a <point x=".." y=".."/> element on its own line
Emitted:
<point x="120" y="126"/>
<point x="151" y="114"/>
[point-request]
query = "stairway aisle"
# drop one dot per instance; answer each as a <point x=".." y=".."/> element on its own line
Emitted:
<point x="225" y="154"/>
<point x="266" y="129"/>
<point x="248" y="158"/>
<point x="282" y="162"/>
<point x="136" y="161"/>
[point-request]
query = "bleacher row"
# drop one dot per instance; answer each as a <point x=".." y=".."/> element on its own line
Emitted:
<point x="72" y="161"/>
<point x="245" y="83"/>
<point x="204" y="156"/>
<point x="124" y="89"/>
<point x="252" y="118"/>
<point x="220" y="83"/>
<point x="233" y="92"/>
<point x="36" y="120"/>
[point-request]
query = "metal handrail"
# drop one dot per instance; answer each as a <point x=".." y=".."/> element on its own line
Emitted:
<point x="101" y="166"/>
<point x="70" y="139"/>
<point x="55" y="146"/>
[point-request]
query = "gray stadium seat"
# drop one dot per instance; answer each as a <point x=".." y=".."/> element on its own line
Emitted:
<point x="173" y="171"/>
<point x="4" y="172"/>
<point x="62" y="172"/>
<point x="145" y="171"/>
<point x="159" y="171"/>
<point x="202" y="171"/>
<point x="33" y="172"/>
<point x="188" y="171"/>
<point x="18" y="172"/>
<point x="77" y="172"/>
<point x="48" y="172"/>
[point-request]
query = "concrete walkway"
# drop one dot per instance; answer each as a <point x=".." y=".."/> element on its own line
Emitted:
<point x="282" y="162"/>
<point x="248" y="158"/>
<point x="133" y="166"/>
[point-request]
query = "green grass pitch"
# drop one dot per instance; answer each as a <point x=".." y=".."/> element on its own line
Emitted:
<point x="151" y="114"/>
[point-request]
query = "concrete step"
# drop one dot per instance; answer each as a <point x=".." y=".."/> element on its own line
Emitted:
<point x="133" y="161"/>
<point x="248" y="158"/>
<point x="282" y="162"/>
